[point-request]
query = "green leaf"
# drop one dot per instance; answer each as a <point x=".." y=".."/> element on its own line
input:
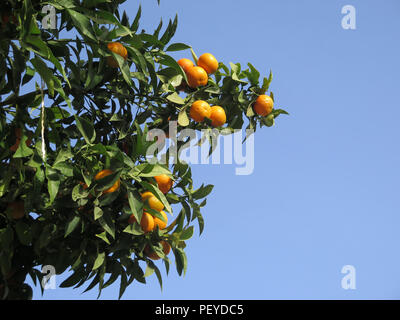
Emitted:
<point x="183" y="119"/>
<point x="277" y="112"/>
<point x="138" y="58"/>
<point x="65" y="168"/>
<point x="71" y="225"/>
<point x="82" y="23"/>
<point x="187" y="233"/>
<point x="266" y="83"/>
<point x="178" y="47"/>
<point x="72" y="279"/>
<point x="200" y="221"/>
<point x="63" y="155"/>
<point x="124" y="67"/>
<point x="98" y="213"/>
<point x="45" y="73"/>
<point x="253" y="75"/>
<point x="250" y="111"/>
<point x="195" y="58"/>
<point x="175" y="98"/>
<point x="180" y="260"/>
<point x="123" y="285"/>
<point x="149" y="269"/>
<point x="134" y="229"/>
<point x="23" y="150"/>
<point x="37" y="45"/>
<point x="53" y="182"/>
<point x="149" y="170"/>
<point x="170" y="31"/>
<point x="202" y="192"/>
<point x="103" y="236"/>
<point x="107" y="224"/>
<point x="170" y="62"/>
<point x="86" y="128"/>
<point x="135" y="206"/>
<point x="135" y="23"/>
<point x="99" y="260"/>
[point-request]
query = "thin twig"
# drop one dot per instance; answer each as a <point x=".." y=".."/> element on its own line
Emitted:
<point x="43" y="107"/>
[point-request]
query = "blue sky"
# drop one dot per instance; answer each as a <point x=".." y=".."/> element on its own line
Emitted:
<point x="324" y="192"/>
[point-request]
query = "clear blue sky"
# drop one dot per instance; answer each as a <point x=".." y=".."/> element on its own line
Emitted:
<point x="324" y="192"/>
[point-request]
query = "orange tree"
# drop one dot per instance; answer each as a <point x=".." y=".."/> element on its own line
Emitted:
<point x="76" y="189"/>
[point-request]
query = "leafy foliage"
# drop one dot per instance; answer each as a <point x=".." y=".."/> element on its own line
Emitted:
<point x="97" y="117"/>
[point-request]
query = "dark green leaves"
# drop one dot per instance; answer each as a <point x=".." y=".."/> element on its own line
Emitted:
<point x="86" y="128"/>
<point x="83" y="24"/>
<point x="107" y="224"/>
<point x="72" y="225"/>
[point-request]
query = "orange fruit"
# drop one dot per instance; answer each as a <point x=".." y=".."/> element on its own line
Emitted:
<point x="158" y="222"/>
<point x="119" y="49"/>
<point x="166" y="247"/>
<point x="185" y="64"/>
<point x="199" y="110"/>
<point x="196" y="76"/>
<point x="153" y="255"/>
<point x="146" y="223"/>
<point x="164" y="183"/>
<point x="152" y="201"/>
<point x="105" y="173"/>
<point x="218" y="116"/>
<point x="208" y="62"/>
<point x="263" y="105"/>
<point x="17" y="209"/>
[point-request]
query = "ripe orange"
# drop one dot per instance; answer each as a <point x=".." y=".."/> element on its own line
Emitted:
<point x="197" y="77"/>
<point x="147" y="222"/>
<point x="218" y="116"/>
<point x="208" y="62"/>
<point x="158" y="222"/>
<point x="152" y="201"/>
<point x="105" y="173"/>
<point x="185" y="64"/>
<point x="263" y="105"/>
<point x="199" y="110"/>
<point x="119" y="49"/>
<point x="153" y="255"/>
<point x="17" y="209"/>
<point x="164" y="183"/>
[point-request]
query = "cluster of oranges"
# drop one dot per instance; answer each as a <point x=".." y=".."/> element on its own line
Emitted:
<point x="148" y="222"/>
<point x="197" y="75"/>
